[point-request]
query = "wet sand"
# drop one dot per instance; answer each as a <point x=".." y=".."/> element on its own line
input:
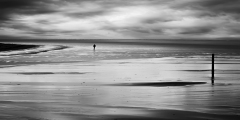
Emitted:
<point x="91" y="93"/>
<point x="168" y="88"/>
<point x="142" y="114"/>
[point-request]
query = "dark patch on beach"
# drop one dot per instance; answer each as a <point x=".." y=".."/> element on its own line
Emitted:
<point x="6" y="102"/>
<point x="150" y="114"/>
<point x="159" y="84"/>
<point x="197" y="70"/>
<point x="231" y="70"/>
<point x="16" y="93"/>
<point x="17" y="64"/>
<point x="48" y="73"/>
<point x="224" y="84"/>
<point x="226" y="107"/>
<point x="7" y="66"/>
<point x="11" y="117"/>
<point x="228" y="63"/>
<point x="40" y="51"/>
<point x="47" y="84"/>
<point x="205" y="63"/>
<point x="12" y="47"/>
<point x="217" y="71"/>
<point x="124" y="62"/>
<point x="86" y="65"/>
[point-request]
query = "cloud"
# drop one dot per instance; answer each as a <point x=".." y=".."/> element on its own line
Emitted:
<point x="9" y="8"/>
<point x="153" y="19"/>
<point x="215" y="6"/>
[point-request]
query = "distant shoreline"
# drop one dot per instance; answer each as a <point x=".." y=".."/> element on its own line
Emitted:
<point x="12" y="47"/>
<point x="222" y="44"/>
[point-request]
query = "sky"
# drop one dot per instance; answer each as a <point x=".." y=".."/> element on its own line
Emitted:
<point x="120" y="19"/>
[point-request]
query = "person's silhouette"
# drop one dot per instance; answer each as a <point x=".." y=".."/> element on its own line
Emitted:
<point x="94" y="46"/>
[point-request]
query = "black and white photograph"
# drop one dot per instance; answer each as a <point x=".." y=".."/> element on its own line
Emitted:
<point x="119" y="59"/>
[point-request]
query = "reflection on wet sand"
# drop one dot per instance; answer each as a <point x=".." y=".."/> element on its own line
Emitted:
<point x="107" y="93"/>
<point x="146" y="88"/>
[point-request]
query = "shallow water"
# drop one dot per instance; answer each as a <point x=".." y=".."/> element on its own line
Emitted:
<point x="77" y="81"/>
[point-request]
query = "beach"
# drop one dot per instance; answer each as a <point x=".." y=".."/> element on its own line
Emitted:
<point x="72" y="82"/>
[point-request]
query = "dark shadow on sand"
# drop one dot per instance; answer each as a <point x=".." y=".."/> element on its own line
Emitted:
<point x="159" y="84"/>
<point x="48" y="73"/>
<point x="174" y="115"/>
<point x="150" y="114"/>
<point x="197" y="70"/>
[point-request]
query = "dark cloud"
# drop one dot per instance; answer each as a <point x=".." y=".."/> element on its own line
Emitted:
<point x="107" y="6"/>
<point x="234" y="29"/>
<point x="224" y="6"/>
<point x="32" y="7"/>
<point x="86" y="14"/>
<point x="2" y="37"/>
<point x="140" y="30"/>
<point x="197" y="30"/>
<point x="38" y="31"/>
<point x="157" y="30"/>
<point x="157" y="20"/>
<point x="23" y="7"/>
<point x="215" y="6"/>
<point x="118" y="18"/>
<point x="43" y="22"/>
<point x="12" y="4"/>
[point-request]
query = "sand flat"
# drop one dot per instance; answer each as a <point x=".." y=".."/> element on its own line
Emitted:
<point x="37" y="87"/>
<point x="86" y="96"/>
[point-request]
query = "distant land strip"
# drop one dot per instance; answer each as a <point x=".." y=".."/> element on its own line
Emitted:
<point x="11" y="47"/>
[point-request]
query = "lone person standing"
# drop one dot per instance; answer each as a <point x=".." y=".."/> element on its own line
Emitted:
<point x="94" y="46"/>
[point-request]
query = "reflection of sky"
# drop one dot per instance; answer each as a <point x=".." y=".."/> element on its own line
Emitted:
<point x="107" y="100"/>
<point x="156" y="69"/>
<point x="74" y="87"/>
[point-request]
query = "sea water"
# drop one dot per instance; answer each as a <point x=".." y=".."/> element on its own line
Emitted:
<point x="54" y="80"/>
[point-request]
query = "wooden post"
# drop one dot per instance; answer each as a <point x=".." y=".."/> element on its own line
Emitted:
<point x="212" y="68"/>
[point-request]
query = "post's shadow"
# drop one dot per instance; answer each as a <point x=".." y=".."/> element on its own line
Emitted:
<point x="212" y="80"/>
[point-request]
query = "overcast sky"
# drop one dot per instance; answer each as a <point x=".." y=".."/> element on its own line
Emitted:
<point x="120" y="19"/>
